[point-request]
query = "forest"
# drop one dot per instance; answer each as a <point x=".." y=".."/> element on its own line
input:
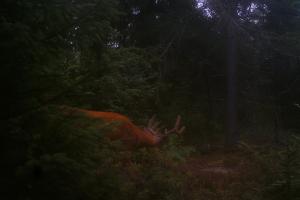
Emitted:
<point x="150" y="99"/>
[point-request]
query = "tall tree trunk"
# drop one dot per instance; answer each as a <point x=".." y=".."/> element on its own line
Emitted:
<point x="232" y="128"/>
<point x="209" y="100"/>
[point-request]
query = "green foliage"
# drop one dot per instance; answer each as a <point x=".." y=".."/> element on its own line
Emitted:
<point x="158" y="176"/>
<point x="175" y="150"/>
<point x="280" y="167"/>
<point x="286" y="183"/>
<point x="140" y="58"/>
<point x="41" y="39"/>
<point x="127" y="83"/>
<point x="61" y="157"/>
<point x="69" y="157"/>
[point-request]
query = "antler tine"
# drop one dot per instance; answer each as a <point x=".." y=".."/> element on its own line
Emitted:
<point x="177" y="123"/>
<point x="167" y="132"/>
<point x="181" y="130"/>
<point x="155" y="125"/>
<point x="176" y="128"/>
<point x="151" y="121"/>
<point x="155" y="128"/>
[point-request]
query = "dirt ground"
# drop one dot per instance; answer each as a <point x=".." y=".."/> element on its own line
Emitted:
<point x="223" y="175"/>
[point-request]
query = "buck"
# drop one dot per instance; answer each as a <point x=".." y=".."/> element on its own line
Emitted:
<point x="129" y="133"/>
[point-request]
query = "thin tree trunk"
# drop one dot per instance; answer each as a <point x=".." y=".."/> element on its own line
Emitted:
<point x="209" y="99"/>
<point x="232" y="128"/>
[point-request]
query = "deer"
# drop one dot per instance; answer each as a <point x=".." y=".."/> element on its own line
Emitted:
<point x="126" y="131"/>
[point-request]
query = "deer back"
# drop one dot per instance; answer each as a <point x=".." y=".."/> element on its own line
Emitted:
<point x="122" y="127"/>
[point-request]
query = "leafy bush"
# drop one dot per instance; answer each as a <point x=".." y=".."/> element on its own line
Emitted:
<point x="68" y="157"/>
<point x="287" y="179"/>
<point x="126" y="82"/>
<point x="280" y="167"/>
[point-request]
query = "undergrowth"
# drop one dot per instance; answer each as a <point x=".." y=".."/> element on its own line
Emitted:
<point x="70" y="158"/>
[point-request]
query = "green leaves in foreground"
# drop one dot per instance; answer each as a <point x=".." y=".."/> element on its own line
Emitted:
<point x="69" y="158"/>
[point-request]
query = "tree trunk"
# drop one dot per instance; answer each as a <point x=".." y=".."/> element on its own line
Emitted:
<point x="232" y="135"/>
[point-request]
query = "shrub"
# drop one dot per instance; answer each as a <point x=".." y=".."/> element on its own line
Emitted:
<point x="69" y="158"/>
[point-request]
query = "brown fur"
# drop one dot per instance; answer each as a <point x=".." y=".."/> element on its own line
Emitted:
<point x="125" y="130"/>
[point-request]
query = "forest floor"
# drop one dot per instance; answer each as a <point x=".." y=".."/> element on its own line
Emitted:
<point x="223" y="175"/>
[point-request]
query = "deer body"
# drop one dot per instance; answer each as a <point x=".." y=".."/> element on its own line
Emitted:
<point x="128" y="132"/>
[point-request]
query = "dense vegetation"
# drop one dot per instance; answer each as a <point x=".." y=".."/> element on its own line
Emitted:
<point x="231" y="68"/>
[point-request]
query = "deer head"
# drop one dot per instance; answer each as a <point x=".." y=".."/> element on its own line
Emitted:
<point x="154" y="128"/>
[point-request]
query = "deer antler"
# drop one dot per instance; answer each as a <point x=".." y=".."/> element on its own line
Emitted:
<point x="153" y="127"/>
<point x="177" y="129"/>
